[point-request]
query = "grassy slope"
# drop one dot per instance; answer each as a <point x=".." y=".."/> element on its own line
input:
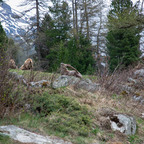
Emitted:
<point x="71" y="113"/>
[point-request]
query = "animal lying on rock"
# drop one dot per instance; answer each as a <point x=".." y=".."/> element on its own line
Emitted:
<point x="28" y="64"/>
<point x="64" y="70"/>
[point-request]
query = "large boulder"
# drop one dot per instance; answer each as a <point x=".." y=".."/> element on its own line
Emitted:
<point x="40" y="84"/>
<point x="25" y="136"/>
<point x="111" y="119"/>
<point x="65" y="80"/>
<point x="139" y="72"/>
<point x="123" y="123"/>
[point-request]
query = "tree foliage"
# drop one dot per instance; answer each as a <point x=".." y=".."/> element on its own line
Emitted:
<point x="59" y="45"/>
<point x="76" y="52"/>
<point x="54" y="28"/>
<point x="123" y="36"/>
<point x="3" y="37"/>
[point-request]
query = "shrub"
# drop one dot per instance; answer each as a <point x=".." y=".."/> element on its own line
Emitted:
<point x="63" y="114"/>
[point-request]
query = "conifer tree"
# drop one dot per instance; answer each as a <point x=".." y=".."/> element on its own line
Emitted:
<point x="3" y="37"/>
<point x="123" y="36"/>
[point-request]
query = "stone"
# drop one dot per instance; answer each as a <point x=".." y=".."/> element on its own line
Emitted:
<point x="24" y="136"/>
<point x="139" y="99"/>
<point x="127" y="88"/>
<point x="142" y="115"/>
<point x="123" y="123"/>
<point x="117" y="121"/>
<point x="64" y="81"/>
<point x="39" y="84"/>
<point x="17" y="77"/>
<point x="139" y="72"/>
<point x="132" y="80"/>
<point x="92" y="87"/>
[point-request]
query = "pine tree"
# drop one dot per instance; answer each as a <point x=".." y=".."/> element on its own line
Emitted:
<point x="54" y="31"/>
<point x="80" y="54"/>
<point x="61" y="19"/>
<point x="3" y="38"/>
<point x="3" y="48"/>
<point x="123" y="36"/>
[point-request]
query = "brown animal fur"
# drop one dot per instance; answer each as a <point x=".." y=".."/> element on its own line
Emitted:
<point x="28" y="64"/>
<point x="12" y="64"/>
<point x="64" y="71"/>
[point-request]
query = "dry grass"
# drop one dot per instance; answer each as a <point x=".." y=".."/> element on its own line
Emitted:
<point x="110" y="95"/>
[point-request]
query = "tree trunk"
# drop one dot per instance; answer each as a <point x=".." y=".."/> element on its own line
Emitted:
<point x="98" y="47"/>
<point x="73" y="9"/>
<point x="76" y="18"/>
<point x="37" y="14"/>
<point x="38" y="30"/>
<point x="87" y="19"/>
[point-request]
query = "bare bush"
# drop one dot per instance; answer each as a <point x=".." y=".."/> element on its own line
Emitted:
<point x="7" y="86"/>
<point x="113" y="82"/>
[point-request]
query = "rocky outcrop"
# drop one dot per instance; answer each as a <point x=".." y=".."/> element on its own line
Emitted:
<point x="25" y="136"/>
<point x="40" y="84"/>
<point x="123" y="123"/>
<point x="139" y="72"/>
<point x="138" y="98"/>
<point x="111" y="119"/>
<point x="64" y="81"/>
<point x="18" y="78"/>
<point x="142" y="115"/>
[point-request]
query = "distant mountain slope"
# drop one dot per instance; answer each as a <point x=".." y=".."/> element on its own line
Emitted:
<point x="15" y="23"/>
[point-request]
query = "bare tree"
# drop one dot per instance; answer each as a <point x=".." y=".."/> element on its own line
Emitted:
<point x="35" y="27"/>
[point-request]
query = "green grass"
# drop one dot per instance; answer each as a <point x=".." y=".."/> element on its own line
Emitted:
<point x="57" y="115"/>
<point x="37" y="75"/>
<point x="134" y="139"/>
<point x="46" y="75"/>
<point x="4" y="139"/>
<point x="7" y="140"/>
<point x="63" y="114"/>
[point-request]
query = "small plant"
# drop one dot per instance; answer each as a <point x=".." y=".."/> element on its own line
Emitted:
<point x="134" y="139"/>
<point x="96" y="131"/>
<point x="63" y="114"/>
<point x="5" y="139"/>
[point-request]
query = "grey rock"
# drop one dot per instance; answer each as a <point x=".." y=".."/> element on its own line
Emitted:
<point x="142" y="101"/>
<point x="65" y="80"/>
<point x="139" y="72"/>
<point x="17" y="77"/>
<point x="110" y="119"/>
<point x="92" y="87"/>
<point x="40" y="84"/>
<point x="142" y="115"/>
<point x="25" y="136"/>
<point x="27" y="106"/>
<point x="127" y="88"/>
<point x="132" y="80"/>
<point x="123" y="123"/>
<point x="138" y="99"/>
